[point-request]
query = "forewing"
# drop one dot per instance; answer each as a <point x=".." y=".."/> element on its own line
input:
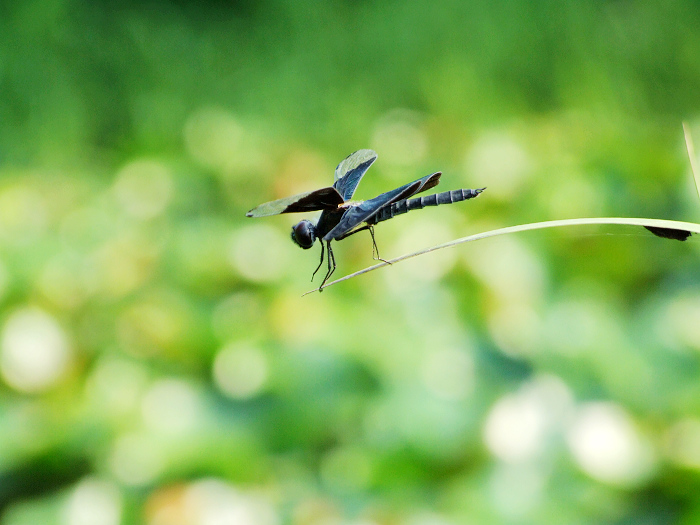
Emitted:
<point x="350" y="171"/>
<point x="365" y="210"/>
<point x="323" y="199"/>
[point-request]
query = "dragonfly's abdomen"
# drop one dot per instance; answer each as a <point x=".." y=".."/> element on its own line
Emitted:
<point x="406" y="205"/>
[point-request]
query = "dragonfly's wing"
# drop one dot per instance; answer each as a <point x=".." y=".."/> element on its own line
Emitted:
<point x="323" y="199"/>
<point x="365" y="210"/>
<point x="350" y="171"/>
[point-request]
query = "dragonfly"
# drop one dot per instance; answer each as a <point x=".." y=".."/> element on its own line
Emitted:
<point x="341" y="217"/>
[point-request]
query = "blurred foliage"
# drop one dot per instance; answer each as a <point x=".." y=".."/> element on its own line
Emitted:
<point x="158" y="363"/>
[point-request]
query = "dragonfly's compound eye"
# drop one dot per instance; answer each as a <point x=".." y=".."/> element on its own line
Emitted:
<point x="304" y="234"/>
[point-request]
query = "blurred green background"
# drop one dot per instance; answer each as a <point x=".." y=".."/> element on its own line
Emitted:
<point x="158" y="364"/>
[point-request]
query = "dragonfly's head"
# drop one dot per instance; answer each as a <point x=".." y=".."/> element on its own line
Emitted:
<point x="304" y="234"/>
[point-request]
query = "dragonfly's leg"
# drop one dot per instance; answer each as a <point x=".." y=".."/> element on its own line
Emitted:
<point x="375" y="249"/>
<point x="319" y="264"/>
<point x="331" y="266"/>
<point x="331" y="261"/>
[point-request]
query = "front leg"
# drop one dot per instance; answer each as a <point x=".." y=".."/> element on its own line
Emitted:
<point x="319" y="264"/>
<point x="331" y="265"/>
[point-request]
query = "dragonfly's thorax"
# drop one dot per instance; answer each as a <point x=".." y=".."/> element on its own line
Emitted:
<point x="328" y="220"/>
<point x="304" y="234"/>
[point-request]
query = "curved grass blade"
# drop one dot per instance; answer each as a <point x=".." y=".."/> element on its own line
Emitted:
<point x="654" y="223"/>
<point x="691" y="155"/>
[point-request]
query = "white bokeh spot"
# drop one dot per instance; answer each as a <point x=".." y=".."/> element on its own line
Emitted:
<point x="143" y="188"/>
<point x="34" y="350"/>
<point x="607" y="446"/>
<point x="93" y="501"/>
<point x="240" y="371"/>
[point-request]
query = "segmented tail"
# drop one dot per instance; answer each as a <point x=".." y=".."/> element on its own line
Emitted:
<point x="406" y="205"/>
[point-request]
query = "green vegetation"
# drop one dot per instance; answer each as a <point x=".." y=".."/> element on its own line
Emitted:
<point x="157" y="361"/>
